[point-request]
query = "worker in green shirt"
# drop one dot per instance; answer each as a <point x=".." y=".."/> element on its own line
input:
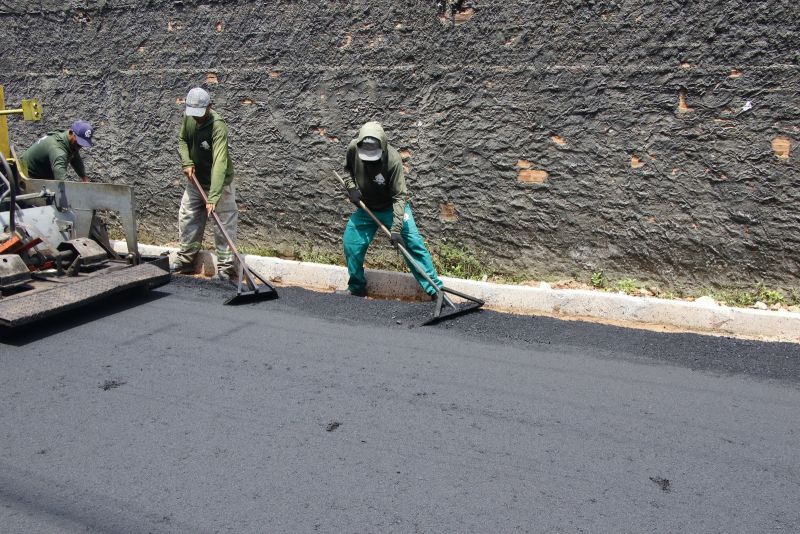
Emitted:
<point x="47" y="158"/>
<point x="203" y="148"/>
<point x="375" y="176"/>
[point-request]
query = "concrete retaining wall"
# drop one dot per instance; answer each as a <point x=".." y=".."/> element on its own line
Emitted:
<point x="654" y="140"/>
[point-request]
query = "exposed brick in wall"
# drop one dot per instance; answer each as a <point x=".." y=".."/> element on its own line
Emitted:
<point x="653" y="139"/>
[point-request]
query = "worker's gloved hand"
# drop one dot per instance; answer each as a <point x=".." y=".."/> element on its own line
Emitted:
<point x="355" y="195"/>
<point x="397" y="239"/>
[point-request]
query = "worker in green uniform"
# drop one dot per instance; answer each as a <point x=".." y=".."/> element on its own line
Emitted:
<point x="375" y="176"/>
<point x="203" y="149"/>
<point x="47" y="158"/>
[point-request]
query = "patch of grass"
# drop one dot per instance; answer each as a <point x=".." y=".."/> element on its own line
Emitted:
<point x="770" y="296"/>
<point x="315" y="255"/>
<point x="742" y="299"/>
<point x="258" y="250"/>
<point x="628" y="286"/>
<point x="598" y="279"/>
<point x="384" y="259"/>
<point x="510" y="278"/>
<point x="746" y="298"/>
<point x="458" y="262"/>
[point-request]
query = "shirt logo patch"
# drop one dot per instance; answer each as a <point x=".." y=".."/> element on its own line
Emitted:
<point x="205" y="145"/>
<point x="406" y="217"/>
<point x="379" y="179"/>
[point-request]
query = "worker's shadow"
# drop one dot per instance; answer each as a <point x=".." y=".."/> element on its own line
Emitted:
<point x="66" y="320"/>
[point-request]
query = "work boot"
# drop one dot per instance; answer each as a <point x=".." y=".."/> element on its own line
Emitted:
<point x="177" y="267"/>
<point x="349" y="293"/>
<point x="226" y="276"/>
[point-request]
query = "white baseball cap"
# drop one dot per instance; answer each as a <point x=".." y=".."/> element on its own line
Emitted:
<point x="197" y="101"/>
<point x="369" y="149"/>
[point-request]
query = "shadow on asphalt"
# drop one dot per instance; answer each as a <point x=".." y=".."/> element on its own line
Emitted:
<point x="67" y="320"/>
<point x="85" y="510"/>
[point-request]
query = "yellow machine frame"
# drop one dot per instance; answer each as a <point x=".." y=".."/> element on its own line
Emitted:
<point x="31" y="110"/>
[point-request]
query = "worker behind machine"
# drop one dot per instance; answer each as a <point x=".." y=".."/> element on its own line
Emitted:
<point x="47" y="158"/>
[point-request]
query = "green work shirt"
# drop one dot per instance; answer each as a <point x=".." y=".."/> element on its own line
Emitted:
<point x="382" y="183"/>
<point x="48" y="157"/>
<point x="206" y="148"/>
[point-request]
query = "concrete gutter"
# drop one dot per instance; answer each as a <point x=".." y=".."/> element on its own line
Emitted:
<point x="703" y="316"/>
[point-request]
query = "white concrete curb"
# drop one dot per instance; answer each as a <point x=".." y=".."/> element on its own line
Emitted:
<point x="614" y="308"/>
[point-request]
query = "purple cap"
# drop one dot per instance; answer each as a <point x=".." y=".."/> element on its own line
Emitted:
<point x="83" y="131"/>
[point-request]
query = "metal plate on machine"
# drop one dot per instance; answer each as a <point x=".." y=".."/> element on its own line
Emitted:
<point x="46" y="222"/>
<point x="13" y="271"/>
<point x="86" y="249"/>
<point x="24" y="308"/>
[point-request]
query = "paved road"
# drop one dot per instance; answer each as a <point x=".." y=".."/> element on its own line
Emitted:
<point x="173" y="413"/>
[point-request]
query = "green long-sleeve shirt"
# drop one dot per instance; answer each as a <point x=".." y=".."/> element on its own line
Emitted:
<point x="382" y="183"/>
<point x="47" y="158"/>
<point x="206" y="148"/>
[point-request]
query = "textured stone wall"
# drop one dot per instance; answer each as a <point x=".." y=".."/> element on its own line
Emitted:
<point x="652" y="139"/>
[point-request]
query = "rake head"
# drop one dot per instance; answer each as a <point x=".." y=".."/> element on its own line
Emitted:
<point x="248" y="291"/>
<point x="447" y="309"/>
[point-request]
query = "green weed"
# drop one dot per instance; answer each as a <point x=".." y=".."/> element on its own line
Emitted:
<point x="770" y="297"/>
<point x="743" y="299"/>
<point x="747" y="298"/>
<point x="258" y="250"/>
<point x="458" y="262"/>
<point x="627" y="286"/>
<point x="312" y="255"/>
<point x="598" y="279"/>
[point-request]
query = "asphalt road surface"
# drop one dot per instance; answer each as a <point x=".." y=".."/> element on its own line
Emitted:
<point x="317" y="412"/>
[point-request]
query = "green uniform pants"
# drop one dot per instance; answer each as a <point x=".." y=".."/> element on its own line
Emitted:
<point x="360" y="231"/>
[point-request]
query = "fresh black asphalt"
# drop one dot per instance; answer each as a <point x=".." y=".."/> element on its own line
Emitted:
<point x="173" y="413"/>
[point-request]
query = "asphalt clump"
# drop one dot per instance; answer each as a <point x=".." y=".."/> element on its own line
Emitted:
<point x="333" y="425"/>
<point x="662" y="483"/>
<point x="111" y="384"/>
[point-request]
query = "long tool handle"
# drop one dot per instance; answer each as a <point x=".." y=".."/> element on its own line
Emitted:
<point x="386" y="231"/>
<point x="197" y="185"/>
<point x="365" y="208"/>
<point x="228" y="239"/>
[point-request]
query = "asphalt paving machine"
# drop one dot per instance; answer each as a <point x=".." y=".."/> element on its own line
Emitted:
<point x="53" y="257"/>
